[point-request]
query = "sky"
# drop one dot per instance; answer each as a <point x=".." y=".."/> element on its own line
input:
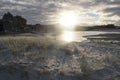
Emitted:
<point x="90" y="12"/>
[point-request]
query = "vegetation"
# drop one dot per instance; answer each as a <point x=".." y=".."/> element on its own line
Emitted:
<point x="16" y="24"/>
<point x="46" y="56"/>
<point x="98" y="27"/>
<point x="21" y="41"/>
<point x="42" y="48"/>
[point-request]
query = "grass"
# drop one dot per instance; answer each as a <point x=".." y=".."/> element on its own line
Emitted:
<point x="110" y="59"/>
<point x="17" y="42"/>
<point x="28" y="47"/>
<point x="33" y="49"/>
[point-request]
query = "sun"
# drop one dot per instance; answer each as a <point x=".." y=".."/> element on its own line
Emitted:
<point x="68" y="19"/>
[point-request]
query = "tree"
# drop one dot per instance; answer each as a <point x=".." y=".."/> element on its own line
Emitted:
<point x="19" y="24"/>
<point x="7" y="22"/>
<point x="13" y="23"/>
<point x="1" y="26"/>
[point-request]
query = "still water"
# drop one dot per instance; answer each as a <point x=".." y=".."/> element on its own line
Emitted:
<point x="78" y="36"/>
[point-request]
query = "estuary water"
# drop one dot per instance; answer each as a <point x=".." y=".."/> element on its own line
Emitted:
<point x="78" y="36"/>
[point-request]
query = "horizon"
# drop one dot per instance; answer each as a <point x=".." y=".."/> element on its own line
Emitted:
<point x="58" y="23"/>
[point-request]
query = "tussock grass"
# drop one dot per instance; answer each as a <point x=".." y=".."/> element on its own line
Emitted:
<point x="110" y="59"/>
<point x="15" y="43"/>
<point x="29" y="47"/>
<point x="89" y="63"/>
<point x="33" y="49"/>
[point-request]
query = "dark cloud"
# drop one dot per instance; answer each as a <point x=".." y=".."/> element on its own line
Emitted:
<point x="113" y="11"/>
<point x="34" y="11"/>
<point x="106" y="2"/>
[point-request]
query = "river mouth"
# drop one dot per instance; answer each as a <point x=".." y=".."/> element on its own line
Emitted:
<point x="79" y="36"/>
<point x="106" y="36"/>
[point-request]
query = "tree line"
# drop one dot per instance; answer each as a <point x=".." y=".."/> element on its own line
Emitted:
<point x="18" y="24"/>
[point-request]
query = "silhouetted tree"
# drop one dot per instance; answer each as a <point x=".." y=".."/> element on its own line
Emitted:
<point x="111" y="26"/>
<point x="13" y="23"/>
<point x="19" y="24"/>
<point x="7" y="22"/>
<point x="1" y="26"/>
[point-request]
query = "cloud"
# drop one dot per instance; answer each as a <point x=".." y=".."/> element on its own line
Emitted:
<point x="113" y="11"/>
<point x="46" y="11"/>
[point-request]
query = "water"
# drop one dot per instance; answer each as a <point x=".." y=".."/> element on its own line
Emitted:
<point x="78" y="36"/>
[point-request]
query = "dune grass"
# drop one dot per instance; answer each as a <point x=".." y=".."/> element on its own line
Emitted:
<point x="33" y="48"/>
<point x="21" y="41"/>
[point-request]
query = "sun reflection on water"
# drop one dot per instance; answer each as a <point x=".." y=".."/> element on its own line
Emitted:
<point x="67" y="36"/>
<point x="72" y="36"/>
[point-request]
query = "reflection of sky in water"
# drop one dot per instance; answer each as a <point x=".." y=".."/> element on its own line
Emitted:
<point x="69" y="36"/>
